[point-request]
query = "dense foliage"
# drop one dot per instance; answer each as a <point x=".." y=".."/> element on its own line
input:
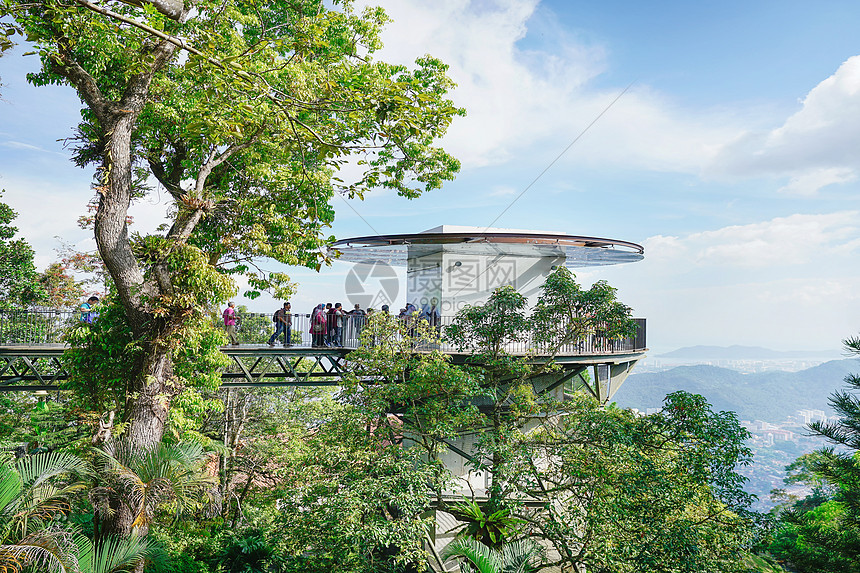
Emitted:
<point x="312" y="479"/>
<point x="244" y="113"/>
<point x="821" y="533"/>
<point x="601" y="488"/>
<point x="19" y="280"/>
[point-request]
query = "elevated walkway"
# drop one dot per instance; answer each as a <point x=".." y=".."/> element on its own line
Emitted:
<point x="31" y="356"/>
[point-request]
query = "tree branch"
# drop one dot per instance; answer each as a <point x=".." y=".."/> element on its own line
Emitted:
<point x="173" y="9"/>
<point x="82" y="80"/>
<point x="215" y="161"/>
<point x="166" y="178"/>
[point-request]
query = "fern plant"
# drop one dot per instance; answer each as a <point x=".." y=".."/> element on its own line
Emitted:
<point x="490" y="526"/>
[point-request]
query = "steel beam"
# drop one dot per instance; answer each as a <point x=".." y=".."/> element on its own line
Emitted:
<point x="40" y="367"/>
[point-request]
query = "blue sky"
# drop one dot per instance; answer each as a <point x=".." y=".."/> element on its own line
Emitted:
<point x="733" y="157"/>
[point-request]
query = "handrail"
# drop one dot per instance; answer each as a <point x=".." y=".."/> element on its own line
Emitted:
<point x="36" y="326"/>
<point x="47" y="326"/>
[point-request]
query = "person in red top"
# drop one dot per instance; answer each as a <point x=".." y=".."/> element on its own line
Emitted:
<point x="230" y="322"/>
<point x="319" y="325"/>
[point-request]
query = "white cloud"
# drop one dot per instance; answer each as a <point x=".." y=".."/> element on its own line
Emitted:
<point x="523" y="100"/>
<point x="20" y="145"/>
<point x="797" y="239"/>
<point x="809" y="182"/>
<point x="817" y="146"/>
<point x="810" y="292"/>
<point x="784" y="314"/>
<point x="48" y="213"/>
<point x="47" y="210"/>
<point x="517" y="97"/>
<point x="787" y="283"/>
<point x="502" y="191"/>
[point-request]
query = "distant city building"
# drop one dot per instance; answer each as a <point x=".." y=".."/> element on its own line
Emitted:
<point x="809" y="416"/>
<point x="777" y="435"/>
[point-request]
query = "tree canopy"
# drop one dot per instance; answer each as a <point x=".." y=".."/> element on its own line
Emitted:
<point x="822" y="532"/>
<point x="601" y="488"/>
<point x="19" y="280"/>
<point x="247" y="115"/>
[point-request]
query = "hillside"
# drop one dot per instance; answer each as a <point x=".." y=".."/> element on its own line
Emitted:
<point x="742" y="353"/>
<point x="770" y="396"/>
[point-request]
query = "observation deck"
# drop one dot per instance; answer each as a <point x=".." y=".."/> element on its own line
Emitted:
<point x="457" y="266"/>
<point x="447" y="269"/>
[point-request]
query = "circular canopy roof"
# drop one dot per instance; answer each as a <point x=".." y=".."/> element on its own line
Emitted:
<point x="577" y="251"/>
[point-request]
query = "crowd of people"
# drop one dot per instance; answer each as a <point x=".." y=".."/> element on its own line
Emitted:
<point x="328" y="321"/>
<point x="330" y="324"/>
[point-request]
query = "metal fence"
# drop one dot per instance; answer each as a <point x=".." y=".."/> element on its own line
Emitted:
<point x="47" y="326"/>
<point x="591" y="343"/>
<point x="346" y="331"/>
<point x="259" y="328"/>
<point x="35" y="326"/>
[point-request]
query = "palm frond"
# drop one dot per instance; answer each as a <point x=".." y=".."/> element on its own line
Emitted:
<point x="31" y="495"/>
<point x="10" y="487"/>
<point x="48" y="550"/>
<point x="116" y="554"/>
<point x="37" y="469"/>
<point x="519" y="556"/>
<point x="45" y="501"/>
<point x="166" y="473"/>
<point x="484" y="559"/>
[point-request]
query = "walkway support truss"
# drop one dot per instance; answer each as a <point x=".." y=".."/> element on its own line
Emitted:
<point x="41" y="368"/>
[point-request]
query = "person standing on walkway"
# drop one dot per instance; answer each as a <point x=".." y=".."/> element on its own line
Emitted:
<point x="319" y="324"/>
<point x="430" y="313"/>
<point x="283" y="323"/>
<point x="337" y="321"/>
<point x="357" y="318"/>
<point x="329" y="328"/>
<point x="230" y="322"/>
<point x="89" y="314"/>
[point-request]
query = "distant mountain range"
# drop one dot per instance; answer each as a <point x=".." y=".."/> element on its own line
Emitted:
<point x="743" y="353"/>
<point x="770" y="396"/>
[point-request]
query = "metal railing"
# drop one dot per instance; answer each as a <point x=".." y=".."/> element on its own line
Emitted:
<point x="47" y="326"/>
<point x="345" y="332"/>
<point x="35" y="326"/>
<point x="259" y="328"/>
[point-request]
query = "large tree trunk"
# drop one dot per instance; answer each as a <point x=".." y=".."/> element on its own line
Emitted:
<point x="150" y="387"/>
<point x="120" y="520"/>
<point x="111" y="224"/>
<point x="149" y="401"/>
